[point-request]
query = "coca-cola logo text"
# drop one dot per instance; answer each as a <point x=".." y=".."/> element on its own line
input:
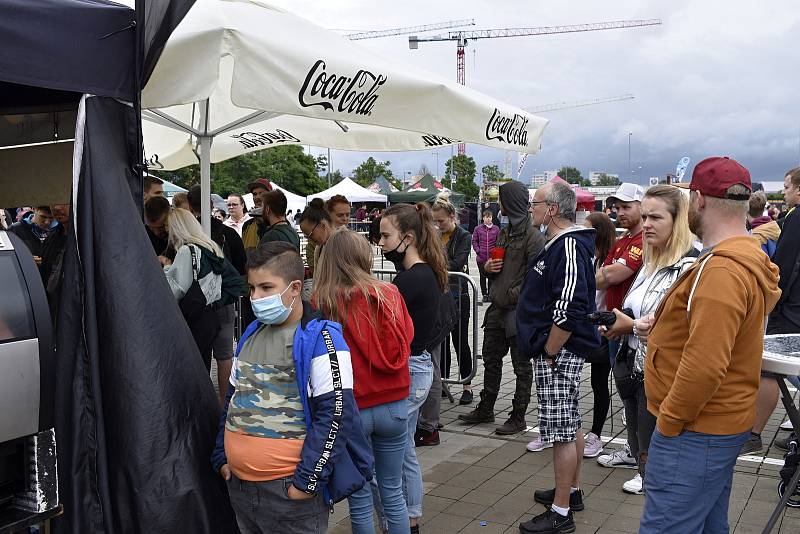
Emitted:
<point x="253" y="139"/>
<point x="436" y="140"/>
<point x="345" y="94"/>
<point x="511" y="130"/>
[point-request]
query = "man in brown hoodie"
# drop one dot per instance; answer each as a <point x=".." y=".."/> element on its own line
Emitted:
<point x="704" y="359"/>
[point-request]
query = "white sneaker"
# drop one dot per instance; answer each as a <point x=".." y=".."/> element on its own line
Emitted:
<point x="593" y="446"/>
<point x="537" y="445"/>
<point x="786" y="425"/>
<point x="620" y="458"/>
<point x="634" y="485"/>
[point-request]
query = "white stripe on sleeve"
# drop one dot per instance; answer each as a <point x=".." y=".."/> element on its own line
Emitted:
<point x="329" y="373"/>
<point x="570" y="281"/>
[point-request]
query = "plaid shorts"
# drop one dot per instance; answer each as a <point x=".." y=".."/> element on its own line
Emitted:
<point x="559" y="417"/>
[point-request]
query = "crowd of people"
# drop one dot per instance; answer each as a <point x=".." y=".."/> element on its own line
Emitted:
<point x="335" y="378"/>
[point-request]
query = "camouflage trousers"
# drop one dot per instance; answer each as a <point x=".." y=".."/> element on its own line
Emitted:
<point x="496" y="344"/>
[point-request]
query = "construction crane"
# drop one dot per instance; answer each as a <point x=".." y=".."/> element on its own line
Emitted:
<point x="463" y="37"/>
<point x="559" y="106"/>
<point x="578" y="103"/>
<point x="411" y="29"/>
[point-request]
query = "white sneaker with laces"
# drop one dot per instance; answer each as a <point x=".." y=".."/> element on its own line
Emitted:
<point x="634" y="485"/>
<point x="593" y="446"/>
<point x="786" y="425"/>
<point x="537" y="445"/>
<point x="619" y="458"/>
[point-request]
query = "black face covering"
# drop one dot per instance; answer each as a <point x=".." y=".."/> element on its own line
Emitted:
<point x="395" y="256"/>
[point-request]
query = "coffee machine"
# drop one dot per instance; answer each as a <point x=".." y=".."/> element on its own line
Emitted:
<point x="28" y="475"/>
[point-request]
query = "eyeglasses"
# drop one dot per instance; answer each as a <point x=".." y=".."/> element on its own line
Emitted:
<point x="309" y="234"/>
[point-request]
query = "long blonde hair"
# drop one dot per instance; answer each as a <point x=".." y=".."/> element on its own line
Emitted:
<point x="345" y="264"/>
<point x="680" y="240"/>
<point x="184" y="229"/>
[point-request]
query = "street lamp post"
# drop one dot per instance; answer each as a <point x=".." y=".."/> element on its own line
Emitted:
<point x="437" y="163"/>
<point x="630" y="134"/>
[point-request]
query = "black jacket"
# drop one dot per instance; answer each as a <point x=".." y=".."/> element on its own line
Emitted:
<point x="785" y="318"/>
<point x="522" y="243"/>
<point x="231" y="244"/>
<point x="23" y="230"/>
<point x="458" y="249"/>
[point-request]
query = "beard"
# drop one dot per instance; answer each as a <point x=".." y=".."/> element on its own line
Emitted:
<point x="695" y="222"/>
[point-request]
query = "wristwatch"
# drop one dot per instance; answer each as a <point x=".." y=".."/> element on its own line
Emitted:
<point x="543" y="354"/>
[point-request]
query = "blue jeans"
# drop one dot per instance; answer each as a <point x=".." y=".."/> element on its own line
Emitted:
<point x="386" y="426"/>
<point x="613" y="349"/>
<point x="421" y="369"/>
<point x="688" y="482"/>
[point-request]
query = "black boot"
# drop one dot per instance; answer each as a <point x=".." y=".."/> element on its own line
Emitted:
<point x="514" y="424"/>
<point x="478" y="415"/>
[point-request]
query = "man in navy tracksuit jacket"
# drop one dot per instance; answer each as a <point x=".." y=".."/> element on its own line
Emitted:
<point x="557" y="294"/>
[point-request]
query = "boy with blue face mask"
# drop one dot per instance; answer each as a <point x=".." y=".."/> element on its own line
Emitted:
<point x="290" y="436"/>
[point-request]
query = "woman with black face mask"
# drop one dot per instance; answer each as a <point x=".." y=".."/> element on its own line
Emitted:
<point x="410" y="240"/>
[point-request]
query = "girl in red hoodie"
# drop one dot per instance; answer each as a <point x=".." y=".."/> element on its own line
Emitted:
<point x="378" y="330"/>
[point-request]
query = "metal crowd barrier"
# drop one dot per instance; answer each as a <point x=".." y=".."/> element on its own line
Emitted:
<point x="383" y="274"/>
<point x="476" y="349"/>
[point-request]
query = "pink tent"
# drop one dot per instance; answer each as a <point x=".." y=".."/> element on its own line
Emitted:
<point x="585" y="198"/>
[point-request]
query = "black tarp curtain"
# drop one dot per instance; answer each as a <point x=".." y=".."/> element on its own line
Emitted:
<point x="136" y="412"/>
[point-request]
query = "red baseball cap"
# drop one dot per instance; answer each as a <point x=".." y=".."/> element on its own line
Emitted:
<point x="713" y="177"/>
<point x="261" y="182"/>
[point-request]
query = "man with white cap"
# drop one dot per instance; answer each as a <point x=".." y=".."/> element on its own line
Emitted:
<point x="616" y="276"/>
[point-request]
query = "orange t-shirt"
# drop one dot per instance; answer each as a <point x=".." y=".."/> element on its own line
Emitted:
<point x="260" y="459"/>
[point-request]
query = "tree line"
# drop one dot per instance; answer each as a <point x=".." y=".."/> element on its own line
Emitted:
<point x="292" y="168"/>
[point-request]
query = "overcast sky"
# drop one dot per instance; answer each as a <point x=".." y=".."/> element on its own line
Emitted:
<point x="717" y="78"/>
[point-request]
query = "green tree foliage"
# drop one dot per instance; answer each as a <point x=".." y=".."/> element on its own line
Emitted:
<point x="322" y="164"/>
<point x="288" y="166"/>
<point x="492" y="173"/>
<point x="366" y="173"/>
<point x="606" y="180"/>
<point x="573" y="176"/>
<point x="461" y="169"/>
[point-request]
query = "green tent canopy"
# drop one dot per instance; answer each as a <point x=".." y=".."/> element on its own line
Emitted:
<point x="383" y="186"/>
<point x="425" y="190"/>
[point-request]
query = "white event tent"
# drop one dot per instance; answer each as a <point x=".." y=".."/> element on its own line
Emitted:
<point x="239" y="76"/>
<point x="293" y="202"/>
<point x="351" y="190"/>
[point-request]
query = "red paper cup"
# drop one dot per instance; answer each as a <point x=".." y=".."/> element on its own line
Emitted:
<point x="498" y="253"/>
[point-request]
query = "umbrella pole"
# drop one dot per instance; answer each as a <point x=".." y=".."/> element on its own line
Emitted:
<point x="205" y="183"/>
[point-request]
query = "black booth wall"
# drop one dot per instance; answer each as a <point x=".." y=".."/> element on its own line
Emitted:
<point x="136" y="411"/>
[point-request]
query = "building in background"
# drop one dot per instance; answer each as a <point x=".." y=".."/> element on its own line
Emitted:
<point x="539" y="179"/>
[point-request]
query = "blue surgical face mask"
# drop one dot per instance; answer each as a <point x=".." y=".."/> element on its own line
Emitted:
<point x="271" y="310"/>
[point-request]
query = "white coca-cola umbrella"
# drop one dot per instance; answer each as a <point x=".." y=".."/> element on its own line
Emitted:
<point x="242" y="75"/>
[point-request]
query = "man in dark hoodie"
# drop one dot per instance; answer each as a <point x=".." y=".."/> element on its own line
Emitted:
<point x="557" y="294"/>
<point x="521" y="242"/>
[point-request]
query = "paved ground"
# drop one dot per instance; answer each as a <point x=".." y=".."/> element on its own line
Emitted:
<point x="478" y="482"/>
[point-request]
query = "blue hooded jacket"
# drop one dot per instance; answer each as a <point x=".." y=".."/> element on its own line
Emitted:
<point x="559" y="288"/>
<point x="336" y="457"/>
